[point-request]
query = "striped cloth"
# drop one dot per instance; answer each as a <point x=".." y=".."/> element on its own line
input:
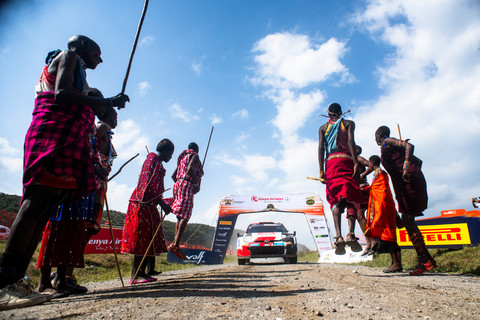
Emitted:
<point x="187" y="184"/>
<point x="57" y="139"/>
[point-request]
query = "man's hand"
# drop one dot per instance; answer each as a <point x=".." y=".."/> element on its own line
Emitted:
<point x="406" y="176"/>
<point x="119" y="100"/>
<point x="355" y="169"/>
<point x="323" y="177"/>
<point x="165" y="207"/>
<point x="100" y="172"/>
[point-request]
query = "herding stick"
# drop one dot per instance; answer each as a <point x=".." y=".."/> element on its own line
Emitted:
<point x="113" y="240"/>
<point x="139" y="28"/>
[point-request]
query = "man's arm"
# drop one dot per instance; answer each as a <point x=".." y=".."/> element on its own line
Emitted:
<point x="321" y="153"/>
<point x="408" y="147"/>
<point x="65" y="72"/>
<point x="351" y="145"/>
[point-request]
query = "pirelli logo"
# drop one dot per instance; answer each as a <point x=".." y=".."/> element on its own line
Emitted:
<point x="444" y="234"/>
<point x="225" y="223"/>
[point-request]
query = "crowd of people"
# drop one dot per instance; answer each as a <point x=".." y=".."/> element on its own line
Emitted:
<point x="68" y="159"/>
<point x="67" y="162"/>
<point x="344" y="172"/>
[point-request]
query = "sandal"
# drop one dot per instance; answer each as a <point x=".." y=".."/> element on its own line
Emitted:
<point x="352" y="241"/>
<point x="339" y="246"/>
<point x="142" y="280"/>
<point x="176" y="251"/>
<point x="420" y="268"/>
<point x="392" y="270"/>
<point x="366" y="251"/>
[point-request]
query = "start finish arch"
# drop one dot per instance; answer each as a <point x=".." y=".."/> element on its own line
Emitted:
<point x="309" y="204"/>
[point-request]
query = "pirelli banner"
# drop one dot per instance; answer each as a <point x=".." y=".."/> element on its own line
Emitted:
<point x="452" y="229"/>
<point x="308" y="204"/>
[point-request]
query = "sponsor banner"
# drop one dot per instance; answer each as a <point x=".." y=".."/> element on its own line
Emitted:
<point x="195" y="256"/>
<point x="101" y="243"/>
<point x="307" y="203"/>
<point x="452" y="229"/>
<point x="223" y="233"/>
<point x="445" y="234"/>
<point x="319" y="229"/>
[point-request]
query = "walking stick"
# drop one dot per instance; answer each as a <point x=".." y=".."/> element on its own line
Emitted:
<point x="139" y="28"/>
<point x="399" y="134"/>
<point x="158" y="228"/>
<point x="122" y="167"/>
<point x="113" y="241"/>
<point x="206" y="150"/>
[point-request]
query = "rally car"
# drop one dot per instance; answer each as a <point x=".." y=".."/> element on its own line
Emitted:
<point x="267" y="240"/>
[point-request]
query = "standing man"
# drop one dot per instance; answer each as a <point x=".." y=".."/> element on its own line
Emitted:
<point x="57" y="164"/>
<point x="363" y="170"/>
<point x="382" y="216"/>
<point x="336" y="148"/>
<point x="187" y="177"/>
<point x="410" y="190"/>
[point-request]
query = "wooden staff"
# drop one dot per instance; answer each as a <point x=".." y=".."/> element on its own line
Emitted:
<point x="208" y="145"/>
<point x="113" y="240"/>
<point x="139" y="28"/>
<point x="317" y="179"/>
<point x="122" y="167"/>
<point x="399" y="134"/>
<point x="159" y="226"/>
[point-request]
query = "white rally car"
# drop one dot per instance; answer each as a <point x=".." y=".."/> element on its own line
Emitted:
<point x="267" y="240"/>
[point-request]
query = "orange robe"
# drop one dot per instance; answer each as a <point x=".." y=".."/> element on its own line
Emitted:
<point x="381" y="214"/>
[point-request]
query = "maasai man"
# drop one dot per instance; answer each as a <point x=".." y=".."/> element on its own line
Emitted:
<point x="187" y="177"/>
<point x="336" y="147"/>
<point x="410" y="190"/>
<point x="382" y="216"/>
<point x="57" y="166"/>
<point x="365" y="192"/>
<point x="72" y="225"/>
<point x="143" y="218"/>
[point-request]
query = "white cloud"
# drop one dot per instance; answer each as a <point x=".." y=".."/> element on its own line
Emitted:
<point x="215" y="119"/>
<point x="242" y="114"/>
<point x="147" y="40"/>
<point x="432" y="91"/>
<point x="118" y="195"/>
<point x="129" y="139"/>
<point x="5" y="148"/>
<point x="177" y="112"/>
<point x="143" y="88"/>
<point x="292" y="60"/>
<point x="197" y="68"/>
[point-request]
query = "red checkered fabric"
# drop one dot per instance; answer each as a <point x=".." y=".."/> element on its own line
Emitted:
<point x="184" y="188"/>
<point x="56" y="142"/>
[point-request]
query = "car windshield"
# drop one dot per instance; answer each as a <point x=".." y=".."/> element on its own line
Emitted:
<point x="270" y="228"/>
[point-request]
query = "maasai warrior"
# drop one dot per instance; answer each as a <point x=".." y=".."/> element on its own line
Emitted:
<point x="66" y="234"/>
<point x="57" y="166"/>
<point x="382" y="216"/>
<point x="143" y="218"/>
<point x="336" y="147"/>
<point x="365" y="192"/>
<point x="410" y="190"/>
<point x="187" y="177"/>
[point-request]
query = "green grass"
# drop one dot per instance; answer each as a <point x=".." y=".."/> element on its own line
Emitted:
<point x="465" y="261"/>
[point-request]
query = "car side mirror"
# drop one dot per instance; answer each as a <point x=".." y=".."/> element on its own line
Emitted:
<point x="294" y="233"/>
<point x="239" y="235"/>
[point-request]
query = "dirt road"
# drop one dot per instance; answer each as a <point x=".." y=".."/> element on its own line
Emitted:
<point x="301" y="291"/>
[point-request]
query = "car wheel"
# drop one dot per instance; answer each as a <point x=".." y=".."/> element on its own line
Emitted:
<point x="241" y="262"/>
<point x="292" y="260"/>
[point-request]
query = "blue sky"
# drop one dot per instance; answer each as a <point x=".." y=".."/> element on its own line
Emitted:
<point x="261" y="72"/>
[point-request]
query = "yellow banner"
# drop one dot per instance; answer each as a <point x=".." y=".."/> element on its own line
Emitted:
<point x="438" y="235"/>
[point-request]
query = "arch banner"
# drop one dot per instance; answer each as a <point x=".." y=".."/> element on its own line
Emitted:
<point x="308" y="204"/>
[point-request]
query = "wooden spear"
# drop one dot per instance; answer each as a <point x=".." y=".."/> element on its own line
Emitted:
<point x="113" y="241"/>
